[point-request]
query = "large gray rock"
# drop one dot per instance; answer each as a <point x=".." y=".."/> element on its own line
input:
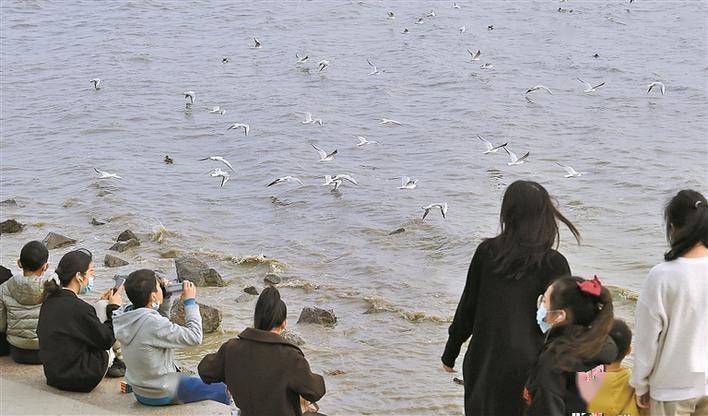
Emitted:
<point x="272" y="279"/>
<point x="122" y="246"/>
<point x="197" y="272"/>
<point x="114" y="261"/>
<point x="54" y="240"/>
<point x="127" y="235"/>
<point x="211" y="317"/>
<point x="96" y="222"/>
<point x="11" y="226"/>
<point x="293" y="337"/>
<point x="315" y="315"/>
<point x="251" y="290"/>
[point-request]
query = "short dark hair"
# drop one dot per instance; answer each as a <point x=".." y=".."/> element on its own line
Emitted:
<point x="33" y="256"/>
<point x="271" y="311"/>
<point x="622" y="336"/>
<point x="139" y="285"/>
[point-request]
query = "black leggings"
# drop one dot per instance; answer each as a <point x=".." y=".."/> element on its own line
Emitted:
<point x="23" y="356"/>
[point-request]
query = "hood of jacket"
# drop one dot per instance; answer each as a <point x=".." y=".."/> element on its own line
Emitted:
<point x="27" y="290"/>
<point x="127" y="322"/>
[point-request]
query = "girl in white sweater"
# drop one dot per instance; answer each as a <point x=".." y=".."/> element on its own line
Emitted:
<point x="671" y="346"/>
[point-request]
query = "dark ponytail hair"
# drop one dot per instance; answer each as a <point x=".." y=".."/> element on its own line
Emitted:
<point x="271" y="311"/>
<point x="73" y="262"/>
<point x="686" y="217"/>
<point x="588" y="322"/>
<point x="529" y="229"/>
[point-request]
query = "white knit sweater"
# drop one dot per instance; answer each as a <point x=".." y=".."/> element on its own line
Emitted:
<point x="671" y="332"/>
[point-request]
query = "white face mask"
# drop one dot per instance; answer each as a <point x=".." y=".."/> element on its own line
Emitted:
<point x="155" y="305"/>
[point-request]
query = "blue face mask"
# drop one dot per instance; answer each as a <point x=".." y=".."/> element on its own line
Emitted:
<point x="540" y="316"/>
<point x="86" y="289"/>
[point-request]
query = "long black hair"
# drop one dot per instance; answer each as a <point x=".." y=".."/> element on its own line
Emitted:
<point x="73" y="262"/>
<point x="686" y="217"/>
<point x="271" y="311"/>
<point x="529" y="229"/>
<point x="589" y="321"/>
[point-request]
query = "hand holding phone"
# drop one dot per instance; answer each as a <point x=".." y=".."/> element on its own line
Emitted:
<point x="119" y="281"/>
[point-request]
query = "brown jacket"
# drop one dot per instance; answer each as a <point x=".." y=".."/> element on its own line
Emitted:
<point x="265" y="374"/>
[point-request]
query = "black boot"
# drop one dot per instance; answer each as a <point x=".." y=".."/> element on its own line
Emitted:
<point x="117" y="369"/>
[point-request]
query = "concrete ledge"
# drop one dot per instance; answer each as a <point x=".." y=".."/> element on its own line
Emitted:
<point x="24" y="391"/>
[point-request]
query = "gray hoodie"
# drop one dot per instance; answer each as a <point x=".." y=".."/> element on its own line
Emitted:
<point x="148" y="340"/>
<point x="20" y="302"/>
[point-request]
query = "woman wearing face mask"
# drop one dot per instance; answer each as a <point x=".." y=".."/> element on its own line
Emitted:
<point x="576" y="315"/>
<point x="74" y="345"/>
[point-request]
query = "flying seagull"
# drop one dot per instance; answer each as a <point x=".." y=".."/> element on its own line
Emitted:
<point x="190" y="95"/>
<point x="474" y="55"/>
<point x="364" y="141"/>
<point x="219" y="159"/>
<point x="390" y="121"/>
<point x="323" y="64"/>
<point x="374" y="70"/>
<point x="490" y="147"/>
<point x="96" y="83"/>
<point x="310" y="120"/>
<point x="408" y="183"/>
<point x="571" y="172"/>
<point x="217" y="110"/>
<point x="515" y="160"/>
<point x="655" y="84"/>
<point x="105" y="175"/>
<point x="538" y="87"/>
<point x="301" y="59"/>
<point x="589" y="87"/>
<point x="455" y="6"/>
<point x="286" y="179"/>
<point x="324" y="156"/>
<point x="442" y="207"/>
<point x="246" y="128"/>
<point x="222" y="174"/>
<point x="225" y="60"/>
<point x="257" y="44"/>
<point x="337" y="180"/>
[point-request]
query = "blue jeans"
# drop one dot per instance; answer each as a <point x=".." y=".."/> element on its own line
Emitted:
<point x="191" y="389"/>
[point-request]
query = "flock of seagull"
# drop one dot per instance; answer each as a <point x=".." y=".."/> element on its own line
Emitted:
<point x="336" y="181"/>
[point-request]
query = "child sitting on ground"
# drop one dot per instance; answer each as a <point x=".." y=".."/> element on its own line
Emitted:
<point x="148" y="340"/>
<point x="615" y="396"/>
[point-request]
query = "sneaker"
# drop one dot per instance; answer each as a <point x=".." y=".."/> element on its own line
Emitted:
<point x="117" y="369"/>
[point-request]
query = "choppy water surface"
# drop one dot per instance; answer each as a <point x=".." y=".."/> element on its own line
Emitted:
<point x="637" y="148"/>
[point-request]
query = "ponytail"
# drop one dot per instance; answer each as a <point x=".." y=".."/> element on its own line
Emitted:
<point x="686" y="217"/>
<point x="71" y="263"/>
<point x="590" y="316"/>
<point x="271" y="311"/>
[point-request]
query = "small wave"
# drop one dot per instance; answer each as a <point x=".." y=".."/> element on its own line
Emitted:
<point x="160" y="232"/>
<point x="300" y="284"/>
<point x="249" y="260"/>
<point x="378" y="304"/>
<point x="625" y="294"/>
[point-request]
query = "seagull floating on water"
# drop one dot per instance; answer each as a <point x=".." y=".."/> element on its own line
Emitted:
<point x="486" y="66"/>
<point x="168" y="160"/>
<point x="96" y="83"/>
<point x="374" y="70"/>
<point x="475" y="55"/>
<point x="490" y="27"/>
<point x="390" y="121"/>
<point x="301" y="59"/>
<point x="217" y="110"/>
<point x="408" y="183"/>
<point x="655" y="84"/>
<point x="310" y="120"/>
<point x="430" y="14"/>
<point x="462" y="29"/>
<point x="191" y="95"/>
<point x="391" y="15"/>
<point x="257" y="44"/>
<point x="405" y="30"/>
<point x="323" y="64"/>
<point x="455" y="6"/>
<point x="225" y="59"/>
<point x="515" y="160"/>
<point x="538" y="87"/>
<point x="324" y="156"/>
<point x="216" y="173"/>
<point x="589" y="87"/>
<point x="419" y="21"/>
<point x="490" y="147"/>
<point x="442" y="207"/>
<point x="105" y="175"/>
<point x="571" y="172"/>
<point x="363" y="141"/>
<point x="219" y="159"/>
<point x="285" y="179"/>
<point x="246" y="128"/>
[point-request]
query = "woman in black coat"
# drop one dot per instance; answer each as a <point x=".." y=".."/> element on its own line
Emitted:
<point x="498" y="305"/>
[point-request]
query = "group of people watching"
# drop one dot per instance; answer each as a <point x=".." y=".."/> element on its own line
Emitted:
<point x="536" y="331"/>
<point x="546" y="343"/>
<point x="44" y="321"/>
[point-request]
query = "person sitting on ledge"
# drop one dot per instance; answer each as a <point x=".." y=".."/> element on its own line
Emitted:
<point x="74" y="345"/>
<point x="5" y="275"/>
<point x="20" y="301"/>
<point x="148" y="340"/>
<point x="266" y="374"/>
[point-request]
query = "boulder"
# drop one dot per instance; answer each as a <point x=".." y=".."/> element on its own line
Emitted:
<point x="293" y="337"/>
<point x="251" y="290"/>
<point x="170" y="253"/>
<point x="11" y="226"/>
<point x="315" y="315"/>
<point x="127" y="235"/>
<point x="114" y="261"/>
<point x="211" y="317"/>
<point x="96" y="222"/>
<point x="122" y="246"/>
<point x="244" y="297"/>
<point x="197" y="272"/>
<point x="9" y="201"/>
<point x="54" y="240"/>
<point x="272" y="279"/>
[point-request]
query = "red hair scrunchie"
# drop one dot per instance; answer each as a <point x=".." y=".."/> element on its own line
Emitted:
<point x="591" y="287"/>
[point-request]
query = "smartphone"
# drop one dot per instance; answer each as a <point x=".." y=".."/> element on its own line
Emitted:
<point x="174" y="288"/>
<point x="119" y="280"/>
